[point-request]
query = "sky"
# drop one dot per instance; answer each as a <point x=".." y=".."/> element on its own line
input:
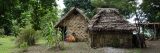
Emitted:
<point x="60" y="4"/>
<point x="131" y="20"/>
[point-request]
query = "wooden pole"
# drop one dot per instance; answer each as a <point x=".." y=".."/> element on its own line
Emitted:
<point x="154" y="36"/>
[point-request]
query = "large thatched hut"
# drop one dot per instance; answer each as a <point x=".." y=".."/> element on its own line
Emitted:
<point x="109" y="28"/>
<point x="74" y="23"/>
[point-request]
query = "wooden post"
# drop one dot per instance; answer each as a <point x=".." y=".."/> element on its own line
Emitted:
<point x="154" y="36"/>
<point x="143" y="29"/>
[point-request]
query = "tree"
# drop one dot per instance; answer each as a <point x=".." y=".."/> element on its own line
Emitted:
<point x="6" y="9"/>
<point x="22" y="11"/>
<point x="151" y="8"/>
<point x="126" y="7"/>
<point x="40" y="8"/>
<point x="82" y="4"/>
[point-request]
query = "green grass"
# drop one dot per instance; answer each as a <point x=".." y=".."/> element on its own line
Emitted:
<point x="41" y="41"/>
<point x="135" y="50"/>
<point x="7" y="44"/>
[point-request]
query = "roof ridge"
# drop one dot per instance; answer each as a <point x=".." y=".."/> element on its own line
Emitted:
<point x="69" y="12"/>
<point x="110" y="17"/>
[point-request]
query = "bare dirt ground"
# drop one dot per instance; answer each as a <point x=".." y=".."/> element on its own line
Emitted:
<point x="82" y="47"/>
<point x="37" y="49"/>
<point x="153" y="47"/>
<point x="77" y="47"/>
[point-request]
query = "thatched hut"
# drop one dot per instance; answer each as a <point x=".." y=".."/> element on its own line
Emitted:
<point x="74" y="23"/>
<point x="109" y="28"/>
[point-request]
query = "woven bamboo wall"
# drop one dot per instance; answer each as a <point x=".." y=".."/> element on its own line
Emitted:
<point x="77" y="24"/>
<point x="123" y="40"/>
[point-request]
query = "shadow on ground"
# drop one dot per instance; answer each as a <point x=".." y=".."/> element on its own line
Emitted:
<point x="153" y="47"/>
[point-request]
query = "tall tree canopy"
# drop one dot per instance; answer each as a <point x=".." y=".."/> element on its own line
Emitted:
<point x="21" y="11"/>
<point x="6" y="14"/>
<point x="126" y="7"/>
<point x="151" y="8"/>
<point x="82" y="4"/>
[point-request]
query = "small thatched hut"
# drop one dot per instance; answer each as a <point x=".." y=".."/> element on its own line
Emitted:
<point x="109" y="28"/>
<point x="74" y="23"/>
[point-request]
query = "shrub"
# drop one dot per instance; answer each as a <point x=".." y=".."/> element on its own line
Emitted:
<point x="23" y="45"/>
<point x="16" y="30"/>
<point x="27" y="36"/>
<point x="59" y="46"/>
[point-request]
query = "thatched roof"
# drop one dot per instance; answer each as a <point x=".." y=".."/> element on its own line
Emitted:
<point x="109" y="19"/>
<point x="70" y="12"/>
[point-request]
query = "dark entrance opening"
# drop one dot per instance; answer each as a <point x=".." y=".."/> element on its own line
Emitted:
<point x="64" y="32"/>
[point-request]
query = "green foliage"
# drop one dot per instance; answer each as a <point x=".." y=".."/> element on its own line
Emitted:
<point x="59" y="46"/>
<point x="85" y="5"/>
<point x="7" y="7"/>
<point x="23" y="45"/>
<point x="53" y="40"/>
<point x="23" y="12"/>
<point x="126" y="7"/>
<point x="27" y="35"/>
<point x="47" y="26"/>
<point x="24" y="19"/>
<point x="39" y="10"/>
<point x="1" y="32"/>
<point x="41" y="14"/>
<point x="16" y="30"/>
<point x="48" y="3"/>
<point x="52" y="36"/>
<point x="151" y="10"/>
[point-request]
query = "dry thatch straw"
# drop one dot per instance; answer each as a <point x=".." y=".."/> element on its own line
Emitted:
<point x="74" y="22"/>
<point x="71" y="11"/>
<point x="109" y="19"/>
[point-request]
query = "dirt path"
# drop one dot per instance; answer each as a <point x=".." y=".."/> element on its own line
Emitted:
<point x="82" y="47"/>
<point x="119" y="50"/>
<point x="153" y="47"/>
<point x="37" y="49"/>
<point x="78" y="47"/>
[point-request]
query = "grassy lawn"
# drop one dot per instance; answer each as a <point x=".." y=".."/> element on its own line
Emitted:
<point x="41" y="41"/>
<point x="7" y="44"/>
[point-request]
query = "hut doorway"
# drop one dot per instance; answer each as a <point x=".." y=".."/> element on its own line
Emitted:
<point x="64" y="32"/>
